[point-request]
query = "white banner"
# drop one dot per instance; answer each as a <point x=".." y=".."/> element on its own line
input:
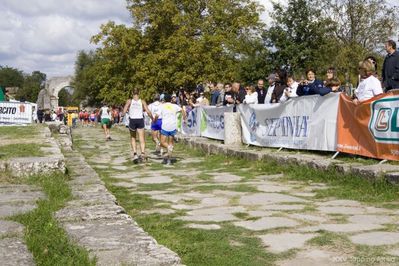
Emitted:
<point x="212" y="121"/>
<point x="192" y="125"/>
<point x="15" y="113"/>
<point x="308" y="122"/>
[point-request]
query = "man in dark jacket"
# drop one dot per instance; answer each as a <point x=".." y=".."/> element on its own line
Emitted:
<point x="390" y="68"/>
<point x="260" y="89"/>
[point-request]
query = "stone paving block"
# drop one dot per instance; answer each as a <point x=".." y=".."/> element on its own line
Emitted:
<point x="282" y="207"/>
<point x="273" y="188"/>
<point x="267" y="223"/>
<point x="15" y="209"/>
<point x="153" y="180"/>
<point x="120" y="242"/>
<point x="375" y="170"/>
<point x="392" y="178"/>
<point x="350" y="203"/>
<point x="371" y="219"/>
<point x="316" y="257"/>
<point x="341" y="228"/>
<point x="376" y="238"/>
<point x="285" y="241"/>
<point x="308" y="217"/>
<point x="221" y="217"/>
<point x="267" y="198"/>
<point x="93" y="212"/>
<point x="13" y="251"/>
<point x="10" y="228"/>
<point x="26" y="166"/>
<point x="204" y="226"/>
<point x="341" y="210"/>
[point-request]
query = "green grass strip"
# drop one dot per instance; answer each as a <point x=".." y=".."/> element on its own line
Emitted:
<point x="21" y="150"/>
<point x="47" y="241"/>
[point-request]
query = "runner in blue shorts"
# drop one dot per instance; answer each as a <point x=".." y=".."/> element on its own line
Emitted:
<point x="169" y="126"/>
<point x="156" y="125"/>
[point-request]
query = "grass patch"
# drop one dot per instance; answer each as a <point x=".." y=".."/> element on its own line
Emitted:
<point x="19" y="132"/>
<point x="331" y="240"/>
<point x="47" y="241"/>
<point x="21" y="150"/>
<point x="203" y="247"/>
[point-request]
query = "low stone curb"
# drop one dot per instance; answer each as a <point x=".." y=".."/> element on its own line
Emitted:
<point x="95" y="221"/>
<point x="377" y="171"/>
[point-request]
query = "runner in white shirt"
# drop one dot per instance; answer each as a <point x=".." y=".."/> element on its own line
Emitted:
<point x="155" y="109"/>
<point x="136" y="106"/>
<point x="169" y="126"/>
<point x="105" y="113"/>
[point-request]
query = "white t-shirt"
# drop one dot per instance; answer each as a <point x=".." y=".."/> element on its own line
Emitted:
<point x="169" y="116"/>
<point x="136" y="109"/>
<point x="368" y="88"/>
<point x="251" y="98"/>
<point x="105" y="113"/>
<point x="291" y="92"/>
<point x="269" y="93"/>
<point x="155" y="109"/>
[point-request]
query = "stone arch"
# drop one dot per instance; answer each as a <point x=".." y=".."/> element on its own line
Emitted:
<point x="55" y="85"/>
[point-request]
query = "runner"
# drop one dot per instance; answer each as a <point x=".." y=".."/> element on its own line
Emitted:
<point x="105" y="113"/>
<point x="156" y="124"/>
<point x="136" y="106"/>
<point x="169" y="125"/>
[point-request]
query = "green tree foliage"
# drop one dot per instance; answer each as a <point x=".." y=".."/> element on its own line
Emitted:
<point x="31" y="86"/>
<point x="299" y="36"/>
<point x="11" y="77"/>
<point x="87" y="81"/>
<point x="368" y="23"/>
<point x="176" y="43"/>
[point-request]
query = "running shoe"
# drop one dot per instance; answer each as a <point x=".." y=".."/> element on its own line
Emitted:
<point x="164" y="161"/>
<point x="135" y="158"/>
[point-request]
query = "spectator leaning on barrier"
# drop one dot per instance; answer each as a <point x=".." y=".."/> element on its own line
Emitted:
<point x="252" y="96"/>
<point x="240" y="91"/>
<point x="331" y="85"/>
<point x="390" y="68"/>
<point x="370" y="86"/>
<point x="290" y="90"/>
<point x="261" y="91"/>
<point x="330" y="74"/>
<point x="281" y="84"/>
<point x="272" y="82"/>
<point x="228" y="95"/>
<point x="310" y="85"/>
<point x="215" y="92"/>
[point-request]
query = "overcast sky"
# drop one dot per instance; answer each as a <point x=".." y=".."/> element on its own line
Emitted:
<point x="45" y="35"/>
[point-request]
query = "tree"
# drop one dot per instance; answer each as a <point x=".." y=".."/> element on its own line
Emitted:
<point x="11" y="77"/>
<point x="31" y="86"/>
<point x="367" y="23"/>
<point x="175" y="43"/>
<point x="299" y="36"/>
<point x="86" y="81"/>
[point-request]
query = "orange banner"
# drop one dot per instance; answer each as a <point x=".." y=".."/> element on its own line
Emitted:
<point x="370" y="128"/>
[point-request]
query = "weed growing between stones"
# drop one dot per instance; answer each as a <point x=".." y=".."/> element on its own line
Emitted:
<point x="20" y="132"/>
<point x="47" y="241"/>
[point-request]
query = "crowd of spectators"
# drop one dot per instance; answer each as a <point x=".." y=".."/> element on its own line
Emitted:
<point x="282" y="85"/>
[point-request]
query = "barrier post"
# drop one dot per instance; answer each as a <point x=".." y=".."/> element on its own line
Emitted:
<point x="232" y="129"/>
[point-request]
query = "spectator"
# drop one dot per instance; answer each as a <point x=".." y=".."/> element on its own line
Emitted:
<point x="215" y="92"/>
<point x="239" y="91"/>
<point x="261" y="91"/>
<point x="223" y="90"/>
<point x="332" y="85"/>
<point x="310" y="85"/>
<point x="373" y="60"/>
<point x="330" y="74"/>
<point x="370" y="86"/>
<point x="272" y="82"/>
<point x="390" y="68"/>
<point x="290" y="90"/>
<point x="182" y="99"/>
<point x="281" y="84"/>
<point x="228" y="95"/>
<point x="252" y="95"/>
